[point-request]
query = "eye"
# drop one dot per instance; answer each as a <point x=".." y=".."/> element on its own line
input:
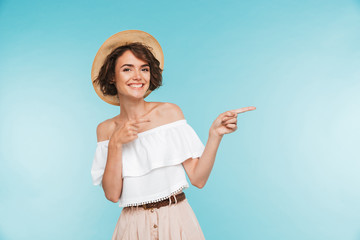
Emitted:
<point x="126" y="69"/>
<point x="145" y="69"/>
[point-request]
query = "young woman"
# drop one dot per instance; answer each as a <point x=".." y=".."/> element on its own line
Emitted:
<point x="143" y="153"/>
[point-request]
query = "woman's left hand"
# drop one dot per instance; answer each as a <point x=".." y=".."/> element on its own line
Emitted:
<point x="226" y="122"/>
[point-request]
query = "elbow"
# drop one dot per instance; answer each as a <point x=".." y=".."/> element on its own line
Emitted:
<point x="112" y="198"/>
<point x="112" y="193"/>
<point x="199" y="185"/>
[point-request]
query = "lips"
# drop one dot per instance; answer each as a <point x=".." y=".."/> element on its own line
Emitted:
<point x="136" y="85"/>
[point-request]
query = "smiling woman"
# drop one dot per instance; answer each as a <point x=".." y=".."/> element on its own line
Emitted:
<point x="123" y="62"/>
<point x="144" y="153"/>
<point x="131" y="72"/>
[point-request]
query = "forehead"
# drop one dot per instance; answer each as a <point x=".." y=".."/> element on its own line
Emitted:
<point x="129" y="58"/>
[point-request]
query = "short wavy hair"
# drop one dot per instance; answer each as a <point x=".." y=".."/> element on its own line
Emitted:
<point x="107" y="72"/>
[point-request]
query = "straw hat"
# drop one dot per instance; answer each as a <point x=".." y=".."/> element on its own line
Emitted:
<point x="115" y="41"/>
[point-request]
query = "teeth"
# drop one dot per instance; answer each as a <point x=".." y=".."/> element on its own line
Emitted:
<point x="136" y="85"/>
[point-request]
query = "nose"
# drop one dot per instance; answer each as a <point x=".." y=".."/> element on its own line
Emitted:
<point x="137" y="74"/>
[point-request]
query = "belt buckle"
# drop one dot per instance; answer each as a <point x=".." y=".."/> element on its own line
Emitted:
<point x="145" y="207"/>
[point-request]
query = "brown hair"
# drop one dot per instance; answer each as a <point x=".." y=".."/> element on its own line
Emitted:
<point x="107" y="72"/>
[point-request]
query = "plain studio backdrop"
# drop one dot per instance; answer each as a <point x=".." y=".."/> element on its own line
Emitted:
<point x="290" y="171"/>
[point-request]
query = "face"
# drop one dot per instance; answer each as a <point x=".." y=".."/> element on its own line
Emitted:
<point x="132" y="75"/>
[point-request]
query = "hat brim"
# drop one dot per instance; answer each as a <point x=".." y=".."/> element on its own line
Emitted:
<point x="115" y="41"/>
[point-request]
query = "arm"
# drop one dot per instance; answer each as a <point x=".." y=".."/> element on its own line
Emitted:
<point x="199" y="169"/>
<point x="112" y="181"/>
<point x="112" y="178"/>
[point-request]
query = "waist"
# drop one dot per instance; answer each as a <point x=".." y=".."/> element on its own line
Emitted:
<point x="155" y="186"/>
<point x="173" y="199"/>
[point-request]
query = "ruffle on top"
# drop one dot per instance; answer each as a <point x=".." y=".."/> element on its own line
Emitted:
<point x="152" y="168"/>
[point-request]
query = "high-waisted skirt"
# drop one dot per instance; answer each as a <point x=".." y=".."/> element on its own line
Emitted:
<point x="174" y="222"/>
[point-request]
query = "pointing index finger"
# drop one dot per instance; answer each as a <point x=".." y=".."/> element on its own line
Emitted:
<point x="244" y="109"/>
<point x="142" y="120"/>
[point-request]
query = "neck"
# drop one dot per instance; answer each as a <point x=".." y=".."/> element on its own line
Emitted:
<point x="131" y="108"/>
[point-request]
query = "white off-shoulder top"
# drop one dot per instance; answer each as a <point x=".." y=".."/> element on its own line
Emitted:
<point x="152" y="163"/>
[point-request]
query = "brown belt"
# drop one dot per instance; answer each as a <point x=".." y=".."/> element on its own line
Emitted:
<point x="179" y="197"/>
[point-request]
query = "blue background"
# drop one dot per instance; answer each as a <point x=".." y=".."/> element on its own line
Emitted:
<point x="290" y="171"/>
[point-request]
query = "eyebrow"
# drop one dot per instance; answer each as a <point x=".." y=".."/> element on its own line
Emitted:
<point x="131" y="65"/>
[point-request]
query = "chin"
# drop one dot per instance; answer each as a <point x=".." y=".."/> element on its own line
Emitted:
<point x="138" y="96"/>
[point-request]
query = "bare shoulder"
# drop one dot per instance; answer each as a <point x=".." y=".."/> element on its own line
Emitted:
<point x="104" y="129"/>
<point x="171" y="111"/>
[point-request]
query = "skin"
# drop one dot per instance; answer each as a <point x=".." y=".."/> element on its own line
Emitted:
<point x="137" y="115"/>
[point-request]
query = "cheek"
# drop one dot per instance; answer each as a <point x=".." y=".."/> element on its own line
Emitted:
<point x="121" y="77"/>
<point x="146" y="75"/>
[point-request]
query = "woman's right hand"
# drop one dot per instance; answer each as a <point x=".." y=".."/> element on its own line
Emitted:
<point x="127" y="132"/>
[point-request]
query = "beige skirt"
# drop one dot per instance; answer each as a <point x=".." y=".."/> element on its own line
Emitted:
<point x="174" y="222"/>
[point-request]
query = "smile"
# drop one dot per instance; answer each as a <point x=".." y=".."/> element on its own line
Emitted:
<point x="136" y="86"/>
